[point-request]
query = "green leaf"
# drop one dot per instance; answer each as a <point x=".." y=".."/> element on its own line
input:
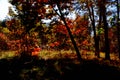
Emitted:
<point x="38" y="24"/>
<point x="5" y="30"/>
<point x="33" y="29"/>
<point x="119" y="22"/>
<point x="100" y="31"/>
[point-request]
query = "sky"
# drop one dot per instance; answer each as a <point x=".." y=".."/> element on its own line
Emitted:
<point x="4" y="9"/>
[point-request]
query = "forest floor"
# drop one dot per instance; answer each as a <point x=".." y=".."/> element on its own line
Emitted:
<point x="57" y="67"/>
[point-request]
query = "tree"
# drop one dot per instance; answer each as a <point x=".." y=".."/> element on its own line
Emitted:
<point x="92" y="18"/>
<point x="100" y="28"/>
<point x="68" y="29"/>
<point x="107" y="46"/>
<point x="118" y="28"/>
<point x="31" y="12"/>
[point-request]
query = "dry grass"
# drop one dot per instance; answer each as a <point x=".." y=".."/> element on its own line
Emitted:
<point x="51" y="54"/>
<point x="58" y="54"/>
<point x="7" y="54"/>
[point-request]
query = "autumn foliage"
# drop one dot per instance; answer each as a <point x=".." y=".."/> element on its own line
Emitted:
<point x="36" y="51"/>
<point x="30" y="27"/>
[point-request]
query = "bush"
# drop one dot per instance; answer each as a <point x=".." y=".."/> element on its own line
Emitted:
<point x="3" y="42"/>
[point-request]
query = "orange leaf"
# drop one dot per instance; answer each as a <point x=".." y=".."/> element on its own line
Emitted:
<point x="35" y="53"/>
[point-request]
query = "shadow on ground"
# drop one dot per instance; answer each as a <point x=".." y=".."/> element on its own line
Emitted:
<point x="30" y="68"/>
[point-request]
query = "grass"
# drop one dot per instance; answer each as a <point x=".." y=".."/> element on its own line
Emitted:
<point x="52" y="54"/>
<point x="57" y="65"/>
<point x="7" y="54"/>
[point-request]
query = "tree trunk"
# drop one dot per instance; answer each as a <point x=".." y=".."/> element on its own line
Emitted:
<point x="107" y="46"/>
<point x="96" y="39"/>
<point x="100" y="21"/>
<point x="118" y="28"/>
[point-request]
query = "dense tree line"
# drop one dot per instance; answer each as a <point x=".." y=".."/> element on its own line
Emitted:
<point x="95" y="28"/>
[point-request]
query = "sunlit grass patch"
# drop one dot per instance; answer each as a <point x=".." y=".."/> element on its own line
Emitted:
<point x="87" y="54"/>
<point x="50" y="54"/>
<point x="60" y="54"/>
<point x="113" y="56"/>
<point x="102" y="54"/>
<point x="7" y="54"/>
